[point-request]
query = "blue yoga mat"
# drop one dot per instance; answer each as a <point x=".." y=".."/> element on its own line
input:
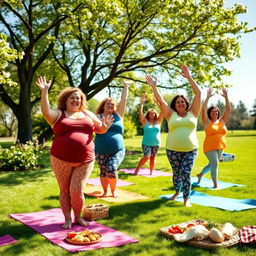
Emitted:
<point x="207" y="183"/>
<point x="229" y="204"/>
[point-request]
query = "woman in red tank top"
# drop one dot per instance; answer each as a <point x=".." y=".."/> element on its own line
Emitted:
<point x="72" y="151"/>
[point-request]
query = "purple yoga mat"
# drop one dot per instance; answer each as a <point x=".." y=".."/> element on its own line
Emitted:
<point x="146" y="172"/>
<point x="7" y="239"/>
<point x="48" y="224"/>
<point x="120" y="183"/>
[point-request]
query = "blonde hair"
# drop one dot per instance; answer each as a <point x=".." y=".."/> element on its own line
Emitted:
<point x="100" y="109"/>
<point x="65" y="93"/>
<point x="151" y="110"/>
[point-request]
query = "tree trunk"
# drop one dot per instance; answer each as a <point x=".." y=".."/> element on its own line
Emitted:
<point x="24" y="124"/>
<point x="46" y="135"/>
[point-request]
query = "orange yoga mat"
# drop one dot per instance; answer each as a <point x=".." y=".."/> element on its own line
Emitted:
<point x="124" y="196"/>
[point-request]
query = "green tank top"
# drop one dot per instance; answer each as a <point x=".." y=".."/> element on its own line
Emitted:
<point x="182" y="133"/>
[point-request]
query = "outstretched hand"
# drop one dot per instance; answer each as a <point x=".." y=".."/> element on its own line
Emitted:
<point x="151" y="81"/>
<point x="107" y="121"/>
<point x="210" y="92"/>
<point x="224" y="92"/>
<point x="185" y="71"/>
<point x="43" y="84"/>
<point x="126" y="82"/>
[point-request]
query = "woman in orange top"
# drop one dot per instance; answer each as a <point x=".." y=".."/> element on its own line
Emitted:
<point x="215" y="130"/>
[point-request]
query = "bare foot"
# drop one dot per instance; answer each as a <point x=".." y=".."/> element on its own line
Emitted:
<point x="67" y="224"/>
<point x="187" y="204"/>
<point x="81" y="221"/>
<point x="174" y="196"/>
<point x="199" y="176"/>
<point x="151" y="172"/>
<point x="216" y="187"/>
<point x="104" y="195"/>
<point x="136" y="171"/>
<point x="115" y="194"/>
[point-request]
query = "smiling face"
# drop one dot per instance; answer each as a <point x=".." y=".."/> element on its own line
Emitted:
<point x="214" y="114"/>
<point x="180" y="105"/>
<point x="73" y="102"/>
<point x="109" y="107"/>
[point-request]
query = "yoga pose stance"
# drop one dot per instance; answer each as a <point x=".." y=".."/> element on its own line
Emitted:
<point x="181" y="143"/>
<point x="109" y="147"/>
<point x="215" y="131"/>
<point x="72" y="152"/>
<point x="151" y="122"/>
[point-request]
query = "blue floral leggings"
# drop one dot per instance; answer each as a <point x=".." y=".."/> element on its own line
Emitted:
<point x="109" y="163"/>
<point x="182" y="163"/>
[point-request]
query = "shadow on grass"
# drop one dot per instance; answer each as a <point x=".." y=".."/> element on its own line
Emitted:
<point x="16" y="178"/>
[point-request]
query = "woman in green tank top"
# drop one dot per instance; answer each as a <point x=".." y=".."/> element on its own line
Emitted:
<point x="181" y="143"/>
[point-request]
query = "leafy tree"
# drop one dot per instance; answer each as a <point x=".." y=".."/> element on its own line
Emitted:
<point x="97" y="43"/>
<point x="253" y="114"/>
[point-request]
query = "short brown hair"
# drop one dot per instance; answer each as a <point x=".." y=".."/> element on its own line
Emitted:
<point x="151" y="110"/>
<point x="100" y="110"/>
<point x="209" y="112"/>
<point x="173" y="102"/>
<point x="65" y="93"/>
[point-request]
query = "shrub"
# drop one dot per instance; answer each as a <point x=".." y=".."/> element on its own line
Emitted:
<point x="129" y="128"/>
<point x="20" y="157"/>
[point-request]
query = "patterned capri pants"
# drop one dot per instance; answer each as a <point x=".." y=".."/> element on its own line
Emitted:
<point x="182" y="163"/>
<point x="109" y="163"/>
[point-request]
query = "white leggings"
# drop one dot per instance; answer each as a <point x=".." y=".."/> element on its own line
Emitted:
<point x="213" y="157"/>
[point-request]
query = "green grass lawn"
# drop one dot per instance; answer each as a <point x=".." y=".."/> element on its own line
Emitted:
<point x="37" y="190"/>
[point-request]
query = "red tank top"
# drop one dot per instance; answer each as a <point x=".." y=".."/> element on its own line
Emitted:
<point x="73" y="141"/>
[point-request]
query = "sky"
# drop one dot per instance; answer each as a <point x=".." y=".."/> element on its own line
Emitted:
<point x="243" y="77"/>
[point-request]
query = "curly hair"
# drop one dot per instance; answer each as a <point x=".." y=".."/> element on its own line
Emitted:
<point x="151" y="110"/>
<point x="100" y="109"/>
<point x="65" y="93"/>
<point x="173" y="102"/>
<point x="209" y="112"/>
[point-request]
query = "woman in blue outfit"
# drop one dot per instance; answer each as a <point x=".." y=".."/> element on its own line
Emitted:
<point x="109" y="147"/>
<point x="151" y="122"/>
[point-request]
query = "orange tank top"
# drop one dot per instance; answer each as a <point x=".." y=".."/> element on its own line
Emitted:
<point x="215" y="137"/>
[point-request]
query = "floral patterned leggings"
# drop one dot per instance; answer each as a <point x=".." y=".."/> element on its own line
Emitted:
<point x="71" y="178"/>
<point x="182" y="163"/>
<point x="109" y="163"/>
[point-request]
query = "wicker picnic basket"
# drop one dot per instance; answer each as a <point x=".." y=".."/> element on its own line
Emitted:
<point x="96" y="211"/>
<point x="206" y="243"/>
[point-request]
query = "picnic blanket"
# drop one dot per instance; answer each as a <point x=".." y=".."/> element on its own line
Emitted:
<point x="120" y="183"/>
<point x="48" y="224"/>
<point x="207" y="183"/>
<point x="7" y="239"/>
<point x="124" y="196"/>
<point x="229" y="204"/>
<point x="146" y="172"/>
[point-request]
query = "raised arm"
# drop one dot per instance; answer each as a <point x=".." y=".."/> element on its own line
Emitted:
<point x="227" y="112"/>
<point x="161" y="114"/>
<point x="49" y="114"/>
<point x="141" y="114"/>
<point x="196" y="103"/>
<point x="205" y="118"/>
<point x="122" y="104"/>
<point x="165" y="109"/>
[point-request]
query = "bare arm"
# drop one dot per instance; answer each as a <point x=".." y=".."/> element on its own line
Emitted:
<point x="205" y="118"/>
<point x="195" y="106"/>
<point x="227" y="112"/>
<point x="141" y="115"/>
<point x="49" y="114"/>
<point x="165" y="109"/>
<point x="122" y="104"/>
<point x="161" y="114"/>
<point x="101" y="126"/>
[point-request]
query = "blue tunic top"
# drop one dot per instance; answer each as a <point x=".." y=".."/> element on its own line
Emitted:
<point x="112" y="141"/>
<point x="151" y="135"/>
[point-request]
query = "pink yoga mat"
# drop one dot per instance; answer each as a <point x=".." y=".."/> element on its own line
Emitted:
<point x="48" y="224"/>
<point x="146" y="172"/>
<point x="120" y="183"/>
<point x="7" y="239"/>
